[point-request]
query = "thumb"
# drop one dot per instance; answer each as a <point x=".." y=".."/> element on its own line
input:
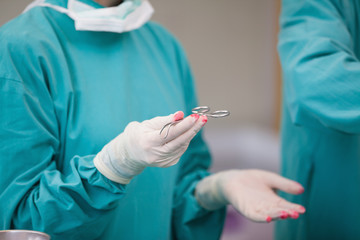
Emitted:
<point x="278" y="182"/>
<point x="159" y="122"/>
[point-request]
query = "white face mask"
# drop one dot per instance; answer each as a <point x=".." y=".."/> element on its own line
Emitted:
<point x="127" y="16"/>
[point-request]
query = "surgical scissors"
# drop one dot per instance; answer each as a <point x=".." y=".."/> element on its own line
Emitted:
<point x="201" y="110"/>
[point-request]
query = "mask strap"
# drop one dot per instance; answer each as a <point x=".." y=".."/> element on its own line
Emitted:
<point x="42" y="3"/>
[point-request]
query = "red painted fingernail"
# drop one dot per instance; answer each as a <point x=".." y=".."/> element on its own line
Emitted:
<point x="284" y="215"/>
<point x="302" y="209"/>
<point x="204" y="119"/>
<point x="294" y="215"/>
<point x="268" y="219"/>
<point x="178" y="116"/>
<point x="196" y="116"/>
<point x="301" y="190"/>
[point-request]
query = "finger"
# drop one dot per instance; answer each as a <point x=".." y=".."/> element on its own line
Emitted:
<point x="294" y="214"/>
<point x="178" y="116"/>
<point x="278" y="209"/>
<point x="278" y="182"/>
<point x="278" y="214"/>
<point x="281" y="214"/>
<point x="288" y="214"/>
<point x="268" y="216"/>
<point x="291" y="206"/>
<point x="158" y="122"/>
<point x="188" y="135"/>
<point x="182" y="127"/>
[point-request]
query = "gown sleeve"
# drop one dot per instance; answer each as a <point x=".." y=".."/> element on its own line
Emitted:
<point x="321" y="69"/>
<point x="74" y="203"/>
<point x="190" y="220"/>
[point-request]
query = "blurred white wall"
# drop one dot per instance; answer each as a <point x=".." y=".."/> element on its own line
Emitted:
<point x="231" y="47"/>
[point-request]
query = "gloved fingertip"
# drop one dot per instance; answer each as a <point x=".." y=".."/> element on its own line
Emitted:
<point x="284" y="215"/>
<point x="204" y="119"/>
<point x="195" y="116"/>
<point x="301" y="189"/>
<point x="294" y="214"/>
<point x="268" y="219"/>
<point x="178" y="116"/>
<point x="302" y="209"/>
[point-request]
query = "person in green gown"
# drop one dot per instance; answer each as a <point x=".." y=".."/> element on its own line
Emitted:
<point x="319" y="49"/>
<point x="85" y="87"/>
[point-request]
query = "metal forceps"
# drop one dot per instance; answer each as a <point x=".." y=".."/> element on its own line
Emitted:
<point x="202" y="110"/>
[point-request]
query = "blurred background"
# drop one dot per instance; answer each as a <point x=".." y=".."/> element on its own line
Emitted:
<point x="231" y="46"/>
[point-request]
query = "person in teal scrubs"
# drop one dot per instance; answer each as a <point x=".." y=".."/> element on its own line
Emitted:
<point x="320" y="50"/>
<point x="84" y="92"/>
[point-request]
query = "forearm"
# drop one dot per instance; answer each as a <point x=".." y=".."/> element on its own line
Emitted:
<point x="62" y="203"/>
<point x="320" y="66"/>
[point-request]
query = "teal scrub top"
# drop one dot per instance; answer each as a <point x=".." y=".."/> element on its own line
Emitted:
<point x="319" y="47"/>
<point x="64" y="94"/>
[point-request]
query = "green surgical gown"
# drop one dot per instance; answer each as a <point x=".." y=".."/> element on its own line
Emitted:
<point x="64" y="94"/>
<point x="319" y="47"/>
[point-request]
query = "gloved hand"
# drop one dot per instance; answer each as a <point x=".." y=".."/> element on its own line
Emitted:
<point x="140" y="146"/>
<point x="251" y="193"/>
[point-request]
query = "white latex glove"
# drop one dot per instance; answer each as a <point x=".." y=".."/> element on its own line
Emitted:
<point x="251" y="192"/>
<point x="140" y="146"/>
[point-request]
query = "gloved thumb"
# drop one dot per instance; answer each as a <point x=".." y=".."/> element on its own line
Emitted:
<point x="278" y="182"/>
<point x="158" y="123"/>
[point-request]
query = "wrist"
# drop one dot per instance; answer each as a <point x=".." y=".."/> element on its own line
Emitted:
<point x="114" y="163"/>
<point x="209" y="192"/>
<point x="109" y="172"/>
